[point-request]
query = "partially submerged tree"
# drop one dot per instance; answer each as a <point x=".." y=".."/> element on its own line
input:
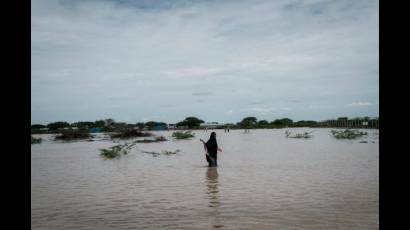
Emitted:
<point x="70" y="134"/>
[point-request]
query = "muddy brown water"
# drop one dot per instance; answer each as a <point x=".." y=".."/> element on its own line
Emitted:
<point x="263" y="181"/>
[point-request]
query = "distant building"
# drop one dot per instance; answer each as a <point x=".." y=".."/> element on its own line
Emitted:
<point x="211" y="125"/>
<point x="67" y="128"/>
<point x="160" y="127"/>
<point x="171" y="126"/>
<point x="95" y="130"/>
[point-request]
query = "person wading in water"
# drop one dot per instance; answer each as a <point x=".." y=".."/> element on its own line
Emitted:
<point x="211" y="148"/>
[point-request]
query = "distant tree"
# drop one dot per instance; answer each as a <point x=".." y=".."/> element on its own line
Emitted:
<point x="306" y="124"/>
<point x="191" y="122"/>
<point x="120" y="125"/>
<point x="161" y="123"/>
<point x="140" y="125"/>
<point x="282" y="122"/>
<point x="151" y="124"/>
<point x="263" y="123"/>
<point x="83" y="124"/>
<point x="109" y="122"/>
<point x="99" y="123"/>
<point x="58" y="125"/>
<point x="37" y="126"/>
<point x="248" y="122"/>
<point x="287" y="121"/>
<point x="250" y="119"/>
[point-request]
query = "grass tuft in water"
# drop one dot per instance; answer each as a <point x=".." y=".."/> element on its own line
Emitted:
<point x="164" y="152"/>
<point x="347" y="134"/>
<point x="182" y="135"/>
<point x="35" y="140"/>
<point x="305" y="135"/>
<point x="114" y="152"/>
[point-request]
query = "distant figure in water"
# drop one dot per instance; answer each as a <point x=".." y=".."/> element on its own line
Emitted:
<point x="211" y="148"/>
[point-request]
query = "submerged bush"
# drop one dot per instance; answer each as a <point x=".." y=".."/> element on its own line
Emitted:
<point x="347" y="134"/>
<point x="164" y="152"/>
<point x="156" y="139"/>
<point x="182" y="135"/>
<point x="35" y="140"/>
<point x="69" y="134"/>
<point x="114" y="152"/>
<point x="298" y="135"/>
<point x="128" y="133"/>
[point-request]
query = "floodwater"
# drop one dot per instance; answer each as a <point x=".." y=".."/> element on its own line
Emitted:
<point x="263" y="181"/>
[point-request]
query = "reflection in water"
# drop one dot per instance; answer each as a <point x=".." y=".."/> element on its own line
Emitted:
<point x="212" y="184"/>
<point x="213" y="195"/>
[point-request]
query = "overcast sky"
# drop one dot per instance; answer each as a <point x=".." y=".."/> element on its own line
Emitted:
<point x="217" y="60"/>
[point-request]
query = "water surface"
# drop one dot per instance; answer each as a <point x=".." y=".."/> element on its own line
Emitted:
<point x="263" y="181"/>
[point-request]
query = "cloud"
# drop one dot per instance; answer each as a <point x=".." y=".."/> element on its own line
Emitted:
<point x="91" y="59"/>
<point x="203" y="93"/>
<point x="261" y="109"/>
<point x="359" y="104"/>
<point x="256" y="103"/>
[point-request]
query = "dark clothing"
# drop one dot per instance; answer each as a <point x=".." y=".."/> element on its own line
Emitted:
<point x="212" y="163"/>
<point x="212" y="148"/>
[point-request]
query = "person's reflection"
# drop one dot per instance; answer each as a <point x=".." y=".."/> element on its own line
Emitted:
<point x="212" y="184"/>
<point x="213" y="194"/>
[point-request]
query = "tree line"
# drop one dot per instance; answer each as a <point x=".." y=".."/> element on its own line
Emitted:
<point x="110" y="125"/>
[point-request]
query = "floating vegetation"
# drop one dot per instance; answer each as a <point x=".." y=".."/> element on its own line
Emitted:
<point x="347" y="134"/>
<point x="114" y="152"/>
<point x="306" y="135"/>
<point x="182" y="135"/>
<point x="70" y="134"/>
<point x="35" y="140"/>
<point x="129" y="133"/>
<point x="154" y="154"/>
<point x="165" y="152"/>
<point x="156" y="139"/>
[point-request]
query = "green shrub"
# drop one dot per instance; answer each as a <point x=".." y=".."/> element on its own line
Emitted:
<point x="35" y="140"/>
<point x="347" y="134"/>
<point x="182" y="135"/>
<point x="69" y="134"/>
<point x="298" y="135"/>
<point x="114" y="152"/>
